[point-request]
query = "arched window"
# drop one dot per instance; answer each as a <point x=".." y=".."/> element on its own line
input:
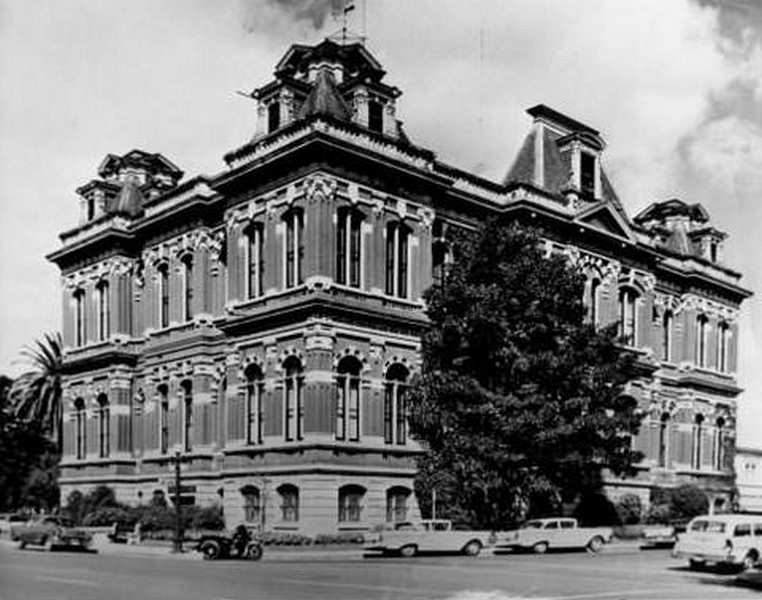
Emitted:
<point x="187" y="287"/>
<point x="289" y="502"/>
<point x="255" y="264"/>
<point x="187" y="388"/>
<point x="254" y="392"/>
<point x="396" y="504"/>
<point x="397" y="259"/>
<point x="666" y="335"/>
<point x="163" y="418"/>
<point x="79" y="317"/>
<point x="104" y="427"/>
<point x="103" y="310"/>
<point x="348" y="385"/>
<point x="348" y="247"/>
<point x="163" y="270"/>
<point x="702" y="330"/>
<point x="719" y="445"/>
<point x="592" y="300"/>
<point x="80" y="417"/>
<point x="294" y="247"/>
<point x="698" y="433"/>
<point x="663" y="440"/>
<point x="350" y="503"/>
<point x="251" y="504"/>
<point x="293" y="401"/>
<point x="723" y="333"/>
<point x="628" y="300"/>
<point x="395" y="413"/>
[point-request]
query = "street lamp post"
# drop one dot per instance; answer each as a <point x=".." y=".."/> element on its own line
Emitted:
<point x="178" y="542"/>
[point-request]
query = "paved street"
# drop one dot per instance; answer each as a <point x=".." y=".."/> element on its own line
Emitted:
<point x="36" y="575"/>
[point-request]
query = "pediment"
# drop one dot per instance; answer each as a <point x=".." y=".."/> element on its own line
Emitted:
<point x="604" y="217"/>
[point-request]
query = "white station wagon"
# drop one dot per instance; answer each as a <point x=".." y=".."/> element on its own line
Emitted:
<point x="721" y="539"/>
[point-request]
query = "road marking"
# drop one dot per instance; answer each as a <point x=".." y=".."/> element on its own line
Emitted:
<point x="619" y="593"/>
<point x="71" y="581"/>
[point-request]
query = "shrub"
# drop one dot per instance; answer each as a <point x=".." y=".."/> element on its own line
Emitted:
<point x="596" y="509"/>
<point x="107" y="516"/>
<point x="629" y="509"/>
<point x="209" y="517"/>
<point x="658" y="514"/>
<point x="344" y="537"/>
<point x="285" y="538"/>
<point x="688" y="501"/>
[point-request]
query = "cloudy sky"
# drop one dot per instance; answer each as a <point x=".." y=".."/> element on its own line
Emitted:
<point x="675" y="87"/>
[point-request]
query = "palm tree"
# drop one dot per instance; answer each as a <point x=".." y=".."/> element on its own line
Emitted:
<point x="37" y="394"/>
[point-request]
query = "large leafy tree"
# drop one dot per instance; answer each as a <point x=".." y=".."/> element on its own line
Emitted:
<point x="37" y="394"/>
<point x="519" y="405"/>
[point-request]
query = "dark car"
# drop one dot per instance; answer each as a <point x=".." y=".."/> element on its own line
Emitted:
<point x="242" y="542"/>
<point x="52" y="532"/>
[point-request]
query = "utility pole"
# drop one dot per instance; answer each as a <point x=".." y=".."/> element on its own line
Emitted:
<point x="178" y="543"/>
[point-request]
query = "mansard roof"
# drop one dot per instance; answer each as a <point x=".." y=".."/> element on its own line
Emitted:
<point x="129" y="203"/>
<point x="659" y="211"/>
<point x="325" y="99"/>
<point x="151" y="162"/>
<point x="355" y="58"/>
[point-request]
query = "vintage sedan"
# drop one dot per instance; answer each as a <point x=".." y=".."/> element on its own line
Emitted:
<point x="52" y="532"/>
<point x="541" y="535"/>
<point x="428" y="535"/>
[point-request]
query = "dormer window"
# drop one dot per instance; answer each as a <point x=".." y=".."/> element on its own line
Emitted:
<point x="273" y="116"/>
<point x="713" y="247"/>
<point x="587" y="173"/>
<point x="90" y="208"/>
<point x="375" y="116"/>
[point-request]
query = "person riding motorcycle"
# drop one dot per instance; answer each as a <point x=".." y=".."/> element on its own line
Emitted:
<point x="241" y="538"/>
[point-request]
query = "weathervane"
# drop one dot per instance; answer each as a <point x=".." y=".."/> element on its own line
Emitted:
<point x="341" y="14"/>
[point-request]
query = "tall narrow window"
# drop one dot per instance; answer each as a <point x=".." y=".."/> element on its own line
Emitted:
<point x="395" y="413"/>
<point x="90" y="208"/>
<point x="698" y="433"/>
<point x="255" y="260"/>
<point x="719" y="445"/>
<point x="702" y="329"/>
<point x="592" y="300"/>
<point x="79" y="317"/>
<point x="628" y="299"/>
<point x="164" y="295"/>
<point x="293" y="401"/>
<point x="163" y="418"/>
<point x="587" y="173"/>
<point x="254" y="393"/>
<point x="396" y="504"/>
<point x="103" y="311"/>
<point x="663" y="440"/>
<point x="376" y="116"/>
<point x="188" y="287"/>
<point x="723" y="332"/>
<point x="80" y="416"/>
<point x="104" y="427"/>
<point x="273" y="116"/>
<point x="666" y="335"/>
<point x="348" y="399"/>
<point x="289" y="502"/>
<point x="348" y="247"/>
<point x="350" y="503"/>
<point x="396" y="259"/>
<point x="187" y="387"/>
<point x="294" y="247"/>
<point x="251" y="504"/>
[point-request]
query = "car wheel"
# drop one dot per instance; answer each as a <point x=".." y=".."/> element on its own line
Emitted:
<point x="749" y="561"/>
<point x="254" y="551"/>
<point x="409" y="550"/>
<point x="22" y="544"/>
<point x="48" y="544"/>
<point x="540" y="548"/>
<point x="696" y="565"/>
<point x="210" y="550"/>
<point x="473" y="548"/>
<point x="595" y="544"/>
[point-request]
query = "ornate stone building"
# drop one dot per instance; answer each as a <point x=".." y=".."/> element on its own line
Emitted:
<point x="263" y="323"/>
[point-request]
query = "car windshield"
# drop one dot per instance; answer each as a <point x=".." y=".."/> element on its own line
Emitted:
<point x="532" y="525"/>
<point x="706" y="526"/>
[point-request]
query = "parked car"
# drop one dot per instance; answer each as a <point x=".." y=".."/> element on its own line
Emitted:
<point x="731" y="540"/>
<point x="10" y="520"/>
<point x="540" y="535"/>
<point x="242" y="542"/>
<point x="430" y="535"/>
<point x="658" y="536"/>
<point x="51" y="532"/>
